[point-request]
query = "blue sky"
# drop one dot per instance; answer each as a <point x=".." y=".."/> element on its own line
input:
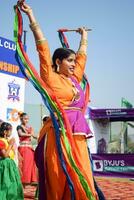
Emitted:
<point x="110" y="65"/>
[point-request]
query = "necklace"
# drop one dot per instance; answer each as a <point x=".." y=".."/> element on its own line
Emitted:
<point x="76" y="92"/>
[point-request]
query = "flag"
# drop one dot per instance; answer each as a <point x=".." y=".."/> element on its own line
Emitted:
<point x="126" y="103"/>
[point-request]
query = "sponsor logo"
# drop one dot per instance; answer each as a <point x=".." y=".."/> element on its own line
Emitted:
<point x="13" y="91"/>
<point x="109" y="165"/>
<point x="112" y="163"/>
<point x="12" y="115"/>
<point x="98" y="165"/>
<point x="115" y="112"/>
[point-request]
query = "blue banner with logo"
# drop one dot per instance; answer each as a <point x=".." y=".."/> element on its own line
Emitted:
<point x="8" y="60"/>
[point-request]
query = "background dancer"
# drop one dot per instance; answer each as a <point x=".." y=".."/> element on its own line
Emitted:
<point x="27" y="163"/>
<point x="10" y="182"/>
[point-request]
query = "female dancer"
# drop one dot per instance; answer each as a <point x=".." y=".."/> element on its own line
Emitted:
<point x="27" y="163"/>
<point x="63" y="77"/>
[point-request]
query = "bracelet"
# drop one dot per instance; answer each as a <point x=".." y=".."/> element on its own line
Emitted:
<point x="34" y="26"/>
<point x="84" y="42"/>
<point x="28" y="10"/>
<point x="40" y="41"/>
<point x="81" y="52"/>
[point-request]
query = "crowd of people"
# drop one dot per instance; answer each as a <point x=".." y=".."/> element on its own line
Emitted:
<point x="63" y="72"/>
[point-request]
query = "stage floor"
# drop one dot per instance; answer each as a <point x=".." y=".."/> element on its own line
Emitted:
<point x="113" y="188"/>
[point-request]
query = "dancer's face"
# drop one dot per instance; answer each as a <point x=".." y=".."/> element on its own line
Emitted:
<point x="8" y="133"/>
<point x="25" y="119"/>
<point x="67" y="65"/>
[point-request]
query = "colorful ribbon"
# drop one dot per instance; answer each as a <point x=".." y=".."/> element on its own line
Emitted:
<point x="63" y="38"/>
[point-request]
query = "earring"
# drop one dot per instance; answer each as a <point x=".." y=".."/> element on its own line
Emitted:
<point x="58" y="68"/>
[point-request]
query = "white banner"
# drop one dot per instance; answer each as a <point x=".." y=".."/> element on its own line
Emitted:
<point x="12" y="91"/>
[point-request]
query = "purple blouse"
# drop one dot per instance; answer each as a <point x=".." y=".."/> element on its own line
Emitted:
<point x="76" y="117"/>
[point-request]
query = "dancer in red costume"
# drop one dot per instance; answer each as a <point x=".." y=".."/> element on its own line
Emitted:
<point x="27" y="164"/>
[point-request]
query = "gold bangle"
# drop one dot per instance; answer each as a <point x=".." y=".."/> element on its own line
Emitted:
<point x="29" y="9"/>
<point x="81" y="52"/>
<point x="84" y="42"/>
<point x="40" y="41"/>
<point x="34" y="26"/>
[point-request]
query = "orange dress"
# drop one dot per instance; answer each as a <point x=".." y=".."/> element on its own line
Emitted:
<point x="52" y="180"/>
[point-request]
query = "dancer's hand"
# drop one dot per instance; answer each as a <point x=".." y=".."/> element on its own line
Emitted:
<point x="24" y="7"/>
<point x="82" y="31"/>
<point x="12" y="141"/>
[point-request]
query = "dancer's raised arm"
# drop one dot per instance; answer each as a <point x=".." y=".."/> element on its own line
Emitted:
<point x="41" y="43"/>
<point x="81" y="54"/>
<point x="33" y="22"/>
<point x="83" y="41"/>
